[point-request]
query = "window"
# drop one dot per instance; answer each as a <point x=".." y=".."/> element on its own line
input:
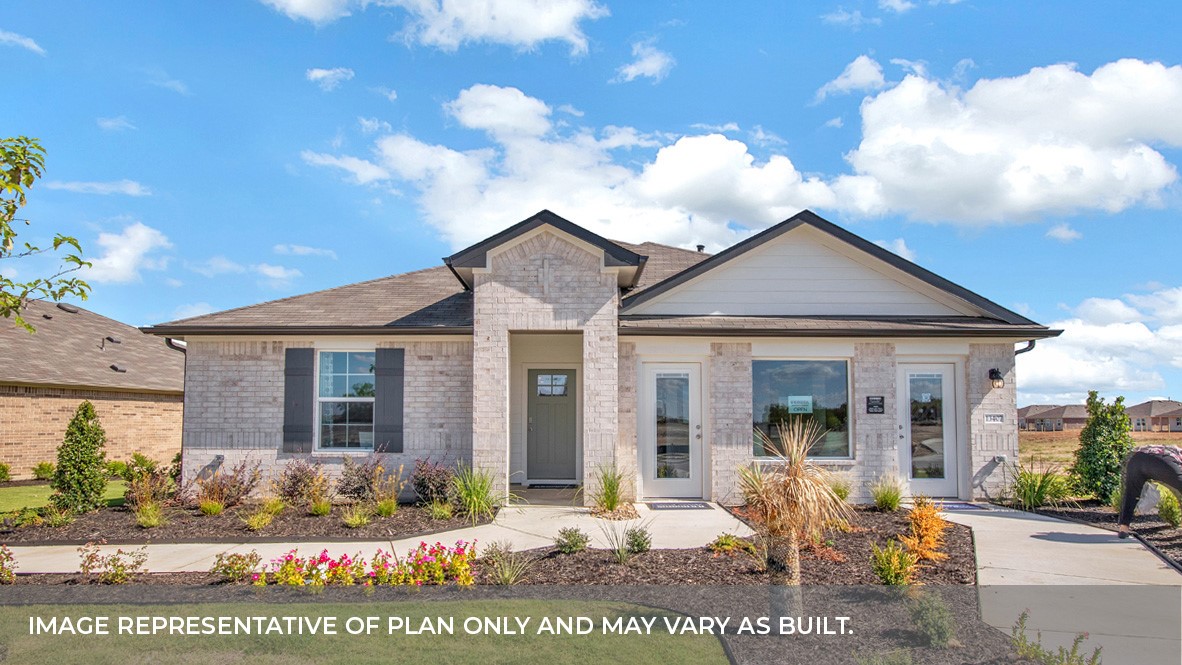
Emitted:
<point x="344" y="396"/>
<point x="815" y="389"/>
<point x="552" y="385"/>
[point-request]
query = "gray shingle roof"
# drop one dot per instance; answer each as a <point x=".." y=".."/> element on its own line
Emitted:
<point x="1154" y="408"/>
<point x="73" y="349"/>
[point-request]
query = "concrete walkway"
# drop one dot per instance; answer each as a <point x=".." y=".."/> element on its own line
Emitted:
<point x="526" y="527"/>
<point x="1071" y="579"/>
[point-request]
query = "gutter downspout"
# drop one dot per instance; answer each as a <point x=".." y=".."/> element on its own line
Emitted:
<point x="1029" y="347"/>
<point x="171" y="343"/>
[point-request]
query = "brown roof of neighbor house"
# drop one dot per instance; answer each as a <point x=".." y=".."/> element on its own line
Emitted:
<point x="1154" y="408"/>
<point x="1035" y="410"/>
<point x="74" y="347"/>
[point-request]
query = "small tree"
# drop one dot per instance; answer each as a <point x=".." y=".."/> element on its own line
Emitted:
<point x="80" y="479"/>
<point x="1103" y="445"/>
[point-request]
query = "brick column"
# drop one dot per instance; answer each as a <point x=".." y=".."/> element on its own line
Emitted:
<point x="730" y="418"/>
<point x="490" y="401"/>
<point x="986" y="441"/>
<point x="627" y="453"/>
<point x="876" y="436"/>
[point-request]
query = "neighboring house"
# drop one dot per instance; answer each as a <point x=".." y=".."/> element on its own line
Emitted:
<point x="547" y="352"/>
<point x="1156" y="415"/>
<point x="1052" y="417"/>
<point x="135" y="381"/>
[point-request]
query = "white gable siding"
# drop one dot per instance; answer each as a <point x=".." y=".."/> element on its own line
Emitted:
<point x="805" y="273"/>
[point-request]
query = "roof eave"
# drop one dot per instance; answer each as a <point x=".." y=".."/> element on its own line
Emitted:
<point x="835" y="332"/>
<point x="181" y="331"/>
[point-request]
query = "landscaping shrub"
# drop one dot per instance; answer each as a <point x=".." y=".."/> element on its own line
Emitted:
<point x="7" y="566"/>
<point x="385" y="507"/>
<point x="80" y="480"/>
<point x="236" y="568"/>
<point x="319" y="507"/>
<point x="54" y="517"/>
<point x="609" y="481"/>
<point x="175" y="468"/>
<point x="358" y="480"/>
<point x="43" y="470"/>
<point x="119" y="567"/>
<point x="147" y="486"/>
<point x="1033" y="488"/>
<point x="116" y="469"/>
<point x="431" y="481"/>
<point x="506" y="566"/>
<point x="386" y="491"/>
<point x="894" y="564"/>
<point x="150" y="514"/>
<point x="933" y="620"/>
<point x="437" y="564"/>
<point x="439" y="510"/>
<point x="258" y="519"/>
<point x="639" y="539"/>
<point x="1167" y="507"/>
<point x="887" y="493"/>
<point x="138" y="466"/>
<point x="1115" y="501"/>
<point x="356" y="516"/>
<point x="5" y="472"/>
<point x="571" y="540"/>
<point x="473" y="492"/>
<point x="300" y="482"/>
<point x="211" y="507"/>
<point x="927" y="530"/>
<point x="29" y="517"/>
<point x="232" y="487"/>
<point x="273" y="505"/>
<point x="1035" y="651"/>
<point x="730" y="545"/>
<point x="1103" y="445"/>
<point x="840" y="484"/>
<point x="617" y="542"/>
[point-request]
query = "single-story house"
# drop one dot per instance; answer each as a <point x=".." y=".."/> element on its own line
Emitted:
<point x="546" y="352"/>
<point x="1156" y="415"/>
<point x="1052" y="417"/>
<point x="135" y="381"/>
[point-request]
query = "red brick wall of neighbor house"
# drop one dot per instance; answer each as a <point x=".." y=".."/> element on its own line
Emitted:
<point x="33" y="423"/>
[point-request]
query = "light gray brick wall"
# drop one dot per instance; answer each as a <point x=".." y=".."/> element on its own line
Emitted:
<point x="545" y="283"/>
<point x="627" y="452"/>
<point x="875" y="436"/>
<point x="730" y="407"/>
<point x="988" y="440"/>
<point x="234" y="391"/>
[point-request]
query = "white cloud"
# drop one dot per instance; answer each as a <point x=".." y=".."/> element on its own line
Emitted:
<point x="898" y="246"/>
<point x="853" y="20"/>
<point x="174" y="282"/>
<point x="897" y="6"/>
<point x="116" y="124"/>
<point x="125" y="187"/>
<point x="524" y="24"/>
<point x="1053" y="140"/>
<point x="389" y="93"/>
<point x="864" y="73"/>
<point x="1063" y="233"/>
<point x="363" y="171"/>
<point x="504" y="113"/>
<point x="192" y="309"/>
<point x="160" y="78"/>
<point x="304" y="250"/>
<point x="1163" y="305"/>
<point x="371" y="125"/>
<point x="216" y="265"/>
<point x="329" y="79"/>
<point x="726" y="128"/>
<point x="1105" y="311"/>
<point x="20" y="41"/>
<point x="648" y="61"/>
<point x="835" y="123"/>
<point x="570" y="110"/>
<point x="762" y="137"/>
<point x="126" y="253"/>
<point x="315" y="11"/>
<point x="276" y="276"/>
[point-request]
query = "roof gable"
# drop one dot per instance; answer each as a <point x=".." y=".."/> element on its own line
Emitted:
<point x="809" y="266"/>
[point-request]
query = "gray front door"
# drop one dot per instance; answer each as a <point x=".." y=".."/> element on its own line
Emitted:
<point x="551" y="425"/>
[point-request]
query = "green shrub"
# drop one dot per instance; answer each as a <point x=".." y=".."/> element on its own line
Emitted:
<point x="439" y="510"/>
<point x="472" y="490"/>
<point x="1167" y="507"/>
<point x="639" y="539"/>
<point x="273" y="505"/>
<point x="933" y="619"/>
<point x="1103" y="445"/>
<point x="258" y="519"/>
<point x="356" y="516"/>
<point x="894" y="564"/>
<point x="1036" y="652"/>
<point x="432" y="481"/>
<point x="29" y="517"/>
<point x="138" y="466"/>
<point x="840" y="484"/>
<point x="357" y="480"/>
<point x="211" y="507"/>
<point x="1034" y="488"/>
<point x="609" y="481"/>
<point x="55" y="518"/>
<point x="5" y="472"/>
<point x="80" y="480"/>
<point x="385" y="507"/>
<point x="7" y="566"/>
<point x="506" y="566"/>
<point x="175" y="468"/>
<point x="730" y="545"/>
<point x="116" y="469"/>
<point x="887" y="493"/>
<point x="149" y="515"/>
<point x="319" y="507"/>
<point x="236" y="568"/>
<point x="1115" y="500"/>
<point x="231" y="487"/>
<point x="300" y="482"/>
<point x="571" y="540"/>
<point x="43" y="471"/>
<point x="117" y="568"/>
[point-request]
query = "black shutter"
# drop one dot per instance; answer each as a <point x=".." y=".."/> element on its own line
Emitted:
<point x="389" y="375"/>
<point x="298" y="400"/>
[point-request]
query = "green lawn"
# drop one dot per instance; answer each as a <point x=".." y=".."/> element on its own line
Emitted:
<point x="35" y="496"/>
<point x="657" y="648"/>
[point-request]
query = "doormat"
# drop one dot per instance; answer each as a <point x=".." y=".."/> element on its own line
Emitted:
<point x="536" y="486"/>
<point x="678" y="505"/>
<point x="957" y="505"/>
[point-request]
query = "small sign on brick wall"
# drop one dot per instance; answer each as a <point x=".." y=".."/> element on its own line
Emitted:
<point x="875" y="404"/>
<point x="995" y="418"/>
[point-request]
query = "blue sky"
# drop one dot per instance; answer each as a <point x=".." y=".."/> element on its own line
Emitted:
<point x="216" y="155"/>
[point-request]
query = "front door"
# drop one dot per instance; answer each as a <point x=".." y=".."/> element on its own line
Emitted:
<point x="671" y="431"/>
<point x="927" y="428"/>
<point x="551" y="424"/>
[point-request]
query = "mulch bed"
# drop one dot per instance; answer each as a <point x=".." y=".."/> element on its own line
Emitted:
<point x="187" y="525"/>
<point x="1167" y="539"/>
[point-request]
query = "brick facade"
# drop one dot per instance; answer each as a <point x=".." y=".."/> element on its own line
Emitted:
<point x="33" y="422"/>
<point x="730" y="407"/>
<point x="876" y="436"/>
<point x="989" y="440"/>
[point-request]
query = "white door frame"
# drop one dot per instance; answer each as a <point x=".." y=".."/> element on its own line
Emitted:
<point x="650" y="485"/>
<point x="955" y="452"/>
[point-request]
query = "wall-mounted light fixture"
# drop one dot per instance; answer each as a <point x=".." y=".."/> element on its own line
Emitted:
<point x="998" y="380"/>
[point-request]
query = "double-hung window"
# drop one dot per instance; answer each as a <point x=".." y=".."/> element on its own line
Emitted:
<point x="345" y="398"/>
<point x="818" y="390"/>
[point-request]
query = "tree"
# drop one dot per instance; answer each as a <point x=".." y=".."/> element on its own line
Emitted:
<point x="1103" y="445"/>
<point x="22" y="161"/>
<point x="80" y="479"/>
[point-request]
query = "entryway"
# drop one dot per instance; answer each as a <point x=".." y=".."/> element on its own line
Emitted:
<point x="671" y="435"/>
<point x="928" y="451"/>
<point x="551" y="425"/>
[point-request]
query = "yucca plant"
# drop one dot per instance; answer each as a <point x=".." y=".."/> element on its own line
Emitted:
<point x="790" y="496"/>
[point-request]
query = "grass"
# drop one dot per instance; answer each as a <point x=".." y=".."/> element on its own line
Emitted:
<point x="36" y="496"/>
<point x="1058" y="448"/>
<point x="480" y="649"/>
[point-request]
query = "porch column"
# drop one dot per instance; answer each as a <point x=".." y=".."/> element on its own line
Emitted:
<point x="490" y="402"/>
<point x="730" y="418"/>
<point x="601" y="405"/>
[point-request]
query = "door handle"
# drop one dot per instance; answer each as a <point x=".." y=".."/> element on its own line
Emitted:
<point x="698" y="437"/>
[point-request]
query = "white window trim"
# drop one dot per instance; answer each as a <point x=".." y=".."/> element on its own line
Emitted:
<point x="316" y="447"/>
<point x="849" y="388"/>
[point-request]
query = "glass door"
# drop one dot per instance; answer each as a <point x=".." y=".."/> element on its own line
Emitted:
<point x="671" y="431"/>
<point x="927" y="429"/>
